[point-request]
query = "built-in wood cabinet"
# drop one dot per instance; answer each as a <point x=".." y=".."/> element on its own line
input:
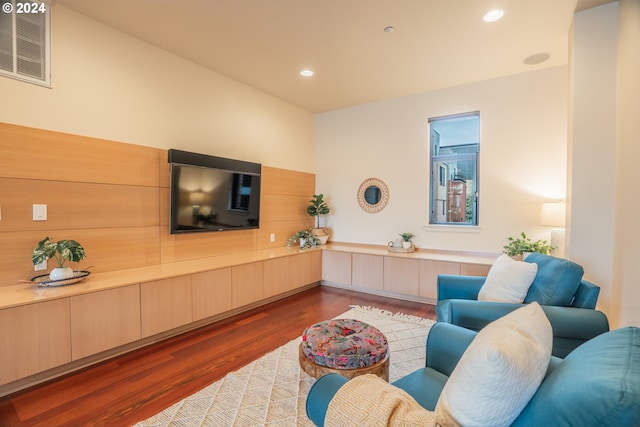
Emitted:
<point x="305" y="268"/>
<point x="104" y="320"/>
<point x="165" y="305"/>
<point x="336" y="266"/>
<point x="367" y="271"/>
<point x="411" y="275"/>
<point x="401" y="275"/>
<point x="247" y="284"/>
<point x="34" y="337"/>
<point x="429" y="271"/>
<point x="276" y="276"/>
<point x="211" y="293"/>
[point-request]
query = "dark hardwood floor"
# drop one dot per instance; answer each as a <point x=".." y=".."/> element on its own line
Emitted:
<point x="135" y="386"/>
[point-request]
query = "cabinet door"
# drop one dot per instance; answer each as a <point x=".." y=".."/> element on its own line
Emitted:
<point x="276" y="276"/>
<point x="429" y="271"/>
<point x="34" y="338"/>
<point x="474" y="269"/>
<point x="336" y="267"/>
<point x="247" y="284"/>
<point x="366" y="271"/>
<point x="104" y="320"/>
<point x="211" y="292"/>
<point x="165" y="304"/>
<point x="401" y="275"/>
<point x="305" y="269"/>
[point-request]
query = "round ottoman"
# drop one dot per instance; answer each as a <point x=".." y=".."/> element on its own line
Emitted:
<point x="344" y="346"/>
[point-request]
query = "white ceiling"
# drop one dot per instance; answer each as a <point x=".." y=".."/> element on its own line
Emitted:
<point x="265" y="43"/>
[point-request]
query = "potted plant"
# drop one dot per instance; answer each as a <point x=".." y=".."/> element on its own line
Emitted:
<point x="518" y="246"/>
<point x="317" y="208"/>
<point x="61" y="251"/>
<point x="406" y="239"/>
<point x="306" y="238"/>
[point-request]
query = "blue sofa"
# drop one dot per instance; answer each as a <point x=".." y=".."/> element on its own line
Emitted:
<point x="597" y="384"/>
<point x="568" y="301"/>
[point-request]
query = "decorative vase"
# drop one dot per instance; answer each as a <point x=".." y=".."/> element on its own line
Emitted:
<point x="302" y="242"/>
<point x="61" y="273"/>
<point x="322" y="234"/>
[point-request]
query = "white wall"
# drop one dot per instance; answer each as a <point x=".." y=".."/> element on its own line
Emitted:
<point x="109" y="85"/>
<point x="626" y="277"/>
<point x="523" y="125"/>
<point x="592" y="175"/>
<point x="605" y="154"/>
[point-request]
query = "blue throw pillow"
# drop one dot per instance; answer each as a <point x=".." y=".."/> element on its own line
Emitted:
<point x="556" y="282"/>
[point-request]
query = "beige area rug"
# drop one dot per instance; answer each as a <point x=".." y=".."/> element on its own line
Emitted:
<point x="272" y="390"/>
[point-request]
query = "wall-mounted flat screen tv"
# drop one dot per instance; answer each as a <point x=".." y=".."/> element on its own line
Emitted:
<point x="211" y="193"/>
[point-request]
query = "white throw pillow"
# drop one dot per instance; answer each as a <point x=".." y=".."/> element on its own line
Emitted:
<point x="499" y="372"/>
<point x="508" y="280"/>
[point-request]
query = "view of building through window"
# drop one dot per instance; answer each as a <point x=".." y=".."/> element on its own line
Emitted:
<point x="455" y="145"/>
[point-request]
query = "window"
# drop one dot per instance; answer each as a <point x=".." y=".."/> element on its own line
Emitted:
<point x="455" y="145"/>
<point x="25" y="41"/>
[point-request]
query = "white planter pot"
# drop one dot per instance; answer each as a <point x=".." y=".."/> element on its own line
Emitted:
<point x="61" y="273"/>
<point x="406" y="245"/>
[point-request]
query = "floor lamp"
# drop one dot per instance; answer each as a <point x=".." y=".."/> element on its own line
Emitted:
<point x="553" y="215"/>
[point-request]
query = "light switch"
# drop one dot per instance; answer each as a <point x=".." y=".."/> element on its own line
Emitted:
<point x="39" y="212"/>
<point x="272" y="237"/>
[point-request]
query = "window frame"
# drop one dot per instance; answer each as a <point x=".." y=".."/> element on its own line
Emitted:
<point x="438" y="174"/>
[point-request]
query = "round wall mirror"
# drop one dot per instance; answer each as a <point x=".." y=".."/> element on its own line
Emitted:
<point x="373" y="195"/>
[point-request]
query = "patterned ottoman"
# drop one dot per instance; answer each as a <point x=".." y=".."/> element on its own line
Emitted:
<point x="344" y="346"/>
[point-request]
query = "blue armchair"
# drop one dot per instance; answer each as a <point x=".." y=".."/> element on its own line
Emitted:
<point x="568" y="301"/>
<point x="597" y="384"/>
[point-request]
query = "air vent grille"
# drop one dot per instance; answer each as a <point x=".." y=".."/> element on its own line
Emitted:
<point x="24" y="44"/>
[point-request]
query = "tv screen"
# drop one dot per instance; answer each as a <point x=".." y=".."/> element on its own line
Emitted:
<point x="210" y="193"/>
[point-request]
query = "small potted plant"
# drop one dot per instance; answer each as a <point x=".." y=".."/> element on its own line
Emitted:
<point x="406" y="239"/>
<point x="317" y="208"/>
<point x="306" y="238"/>
<point x="518" y="246"/>
<point x="61" y="251"/>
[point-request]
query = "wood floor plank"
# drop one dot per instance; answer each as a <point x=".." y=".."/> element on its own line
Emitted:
<point x="139" y="384"/>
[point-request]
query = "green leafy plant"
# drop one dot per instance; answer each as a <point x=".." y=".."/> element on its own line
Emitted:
<point x="318" y="207"/>
<point x="517" y="246"/>
<point x="407" y="236"/>
<point x="61" y="251"/>
<point x="306" y="236"/>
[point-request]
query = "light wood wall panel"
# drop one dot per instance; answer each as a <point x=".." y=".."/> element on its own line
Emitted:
<point x="72" y="205"/>
<point x="113" y="198"/>
<point x="284" y="181"/>
<point x="40" y="154"/>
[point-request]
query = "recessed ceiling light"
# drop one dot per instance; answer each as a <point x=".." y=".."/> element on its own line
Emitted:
<point x="493" y="15"/>
<point x="306" y="73"/>
<point x="389" y="29"/>
<point x="537" y="58"/>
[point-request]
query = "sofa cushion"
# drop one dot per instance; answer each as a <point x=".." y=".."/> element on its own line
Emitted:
<point x="508" y="280"/>
<point x="556" y="281"/>
<point x="597" y="384"/>
<point x="499" y="372"/>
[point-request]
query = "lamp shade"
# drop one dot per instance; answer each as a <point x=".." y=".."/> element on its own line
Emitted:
<point x="553" y="214"/>
<point x="196" y="197"/>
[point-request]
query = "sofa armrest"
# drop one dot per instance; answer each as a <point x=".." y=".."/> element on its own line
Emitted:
<point x="445" y="345"/>
<point x="586" y="295"/>
<point x="459" y="287"/>
<point x="571" y="326"/>
<point x="320" y="394"/>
